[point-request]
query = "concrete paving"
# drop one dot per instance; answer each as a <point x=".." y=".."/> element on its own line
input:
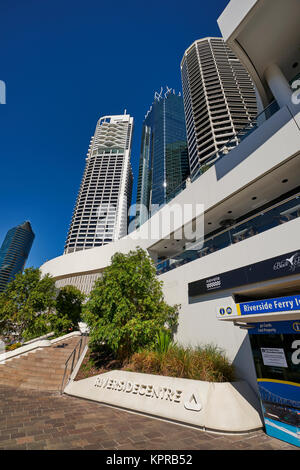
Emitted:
<point x="36" y="419"/>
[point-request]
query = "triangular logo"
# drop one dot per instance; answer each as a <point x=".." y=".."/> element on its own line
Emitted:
<point x="192" y="404"/>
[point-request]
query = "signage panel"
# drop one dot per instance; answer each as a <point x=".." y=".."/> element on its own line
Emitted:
<point x="277" y="305"/>
<point x="272" y="268"/>
<point x="273" y="357"/>
<point x="257" y="307"/>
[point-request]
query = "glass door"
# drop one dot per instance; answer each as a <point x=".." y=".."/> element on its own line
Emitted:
<point x="276" y="353"/>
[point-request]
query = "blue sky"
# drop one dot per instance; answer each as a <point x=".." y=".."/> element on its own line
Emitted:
<point x="66" y="63"/>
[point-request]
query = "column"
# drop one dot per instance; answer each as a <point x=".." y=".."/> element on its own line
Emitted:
<point x="279" y="85"/>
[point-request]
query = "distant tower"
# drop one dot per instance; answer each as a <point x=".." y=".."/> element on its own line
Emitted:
<point x="219" y="98"/>
<point x="164" y="159"/>
<point x="14" y="252"/>
<point x="101" y="211"/>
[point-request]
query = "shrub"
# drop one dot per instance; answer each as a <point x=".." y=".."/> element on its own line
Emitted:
<point x="25" y="305"/>
<point x="12" y="347"/>
<point x="145" y="361"/>
<point x="163" y="341"/>
<point x="31" y="306"/>
<point x="126" y="308"/>
<point x="207" y="363"/>
<point x="68" y="312"/>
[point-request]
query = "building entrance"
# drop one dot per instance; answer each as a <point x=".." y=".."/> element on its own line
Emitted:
<point x="273" y="326"/>
<point x="276" y="354"/>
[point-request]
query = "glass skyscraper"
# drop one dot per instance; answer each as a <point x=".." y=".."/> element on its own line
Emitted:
<point x="14" y="252"/>
<point x="164" y="157"/>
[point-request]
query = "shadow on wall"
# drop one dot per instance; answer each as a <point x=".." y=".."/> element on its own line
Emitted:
<point x="244" y="364"/>
<point x="248" y="394"/>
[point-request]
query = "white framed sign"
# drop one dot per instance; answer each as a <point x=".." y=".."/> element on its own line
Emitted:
<point x="273" y="357"/>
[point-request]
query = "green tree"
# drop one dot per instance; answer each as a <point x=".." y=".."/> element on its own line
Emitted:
<point x="26" y="305"/>
<point x="68" y="309"/>
<point x="126" y="308"/>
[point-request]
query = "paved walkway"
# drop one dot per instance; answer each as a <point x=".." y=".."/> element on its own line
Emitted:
<point x="31" y="419"/>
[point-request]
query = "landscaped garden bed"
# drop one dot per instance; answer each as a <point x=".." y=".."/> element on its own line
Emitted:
<point x="134" y="363"/>
<point x="219" y="406"/>
<point x="206" y="363"/>
<point x="13" y="346"/>
<point x="94" y="364"/>
<point x="132" y="327"/>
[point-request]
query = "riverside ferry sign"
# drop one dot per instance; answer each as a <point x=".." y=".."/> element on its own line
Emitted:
<point x="281" y="305"/>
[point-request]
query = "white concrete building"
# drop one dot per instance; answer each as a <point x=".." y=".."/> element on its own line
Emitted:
<point x="101" y="212"/>
<point x="251" y="199"/>
<point x="219" y="100"/>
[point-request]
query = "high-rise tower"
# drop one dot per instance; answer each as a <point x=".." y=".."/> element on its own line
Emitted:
<point x="101" y="211"/>
<point x="14" y="252"/>
<point x="219" y="98"/>
<point x="164" y="158"/>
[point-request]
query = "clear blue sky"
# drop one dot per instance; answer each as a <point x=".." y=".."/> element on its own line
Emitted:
<point x="66" y="63"/>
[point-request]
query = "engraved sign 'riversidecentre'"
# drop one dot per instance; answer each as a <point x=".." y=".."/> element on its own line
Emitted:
<point x="148" y="390"/>
<point x="202" y="404"/>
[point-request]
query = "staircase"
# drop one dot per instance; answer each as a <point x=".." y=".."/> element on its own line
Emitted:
<point x="41" y="369"/>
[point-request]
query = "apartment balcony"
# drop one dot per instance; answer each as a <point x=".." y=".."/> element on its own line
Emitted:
<point x="253" y="169"/>
<point x="237" y="139"/>
<point x="270" y="217"/>
<point x="273" y="130"/>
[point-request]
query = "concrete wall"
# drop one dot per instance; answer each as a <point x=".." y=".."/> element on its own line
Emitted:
<point x="198" y="323"/>
<point x="233" y="15"/>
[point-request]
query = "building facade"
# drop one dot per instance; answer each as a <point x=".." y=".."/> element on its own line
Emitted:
<point x="14" y="252"/>
<point x="101" y="212"/>
<point x="164" y="157"/>
<point x="219" y="99"/>
<point x="251" y="198"/>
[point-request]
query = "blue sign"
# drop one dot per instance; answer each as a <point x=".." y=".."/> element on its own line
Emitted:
<point x="280" y="304"/>
<point x="275" y="328"/>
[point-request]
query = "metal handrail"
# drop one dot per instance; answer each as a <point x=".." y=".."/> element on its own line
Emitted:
<point x="82" y="340"/>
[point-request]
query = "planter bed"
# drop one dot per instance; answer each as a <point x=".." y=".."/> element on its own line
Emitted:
<point x="228" y="407"/>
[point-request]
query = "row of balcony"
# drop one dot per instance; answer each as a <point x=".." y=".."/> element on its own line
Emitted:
<point x="269" y="218"/>
<point x="230" y="144"/>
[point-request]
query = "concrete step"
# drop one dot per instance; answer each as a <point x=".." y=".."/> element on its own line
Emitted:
<point x="41" y="369"/>
<point x="37" y="366"/>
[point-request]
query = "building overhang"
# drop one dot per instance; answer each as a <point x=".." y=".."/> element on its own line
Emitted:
<point x="262" y="33"/>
